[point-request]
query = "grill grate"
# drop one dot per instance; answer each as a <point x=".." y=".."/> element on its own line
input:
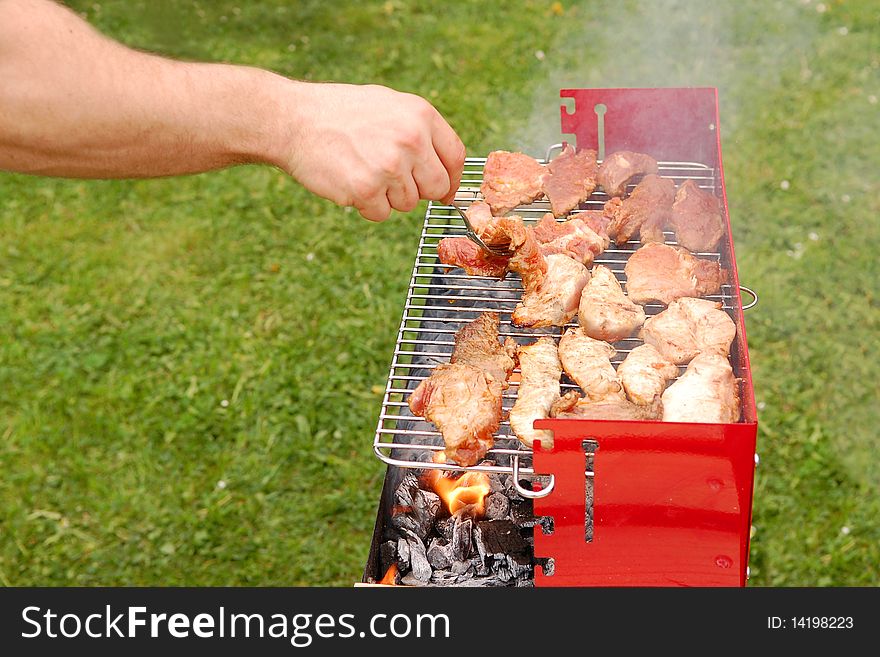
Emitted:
<point x="441" y="300"/>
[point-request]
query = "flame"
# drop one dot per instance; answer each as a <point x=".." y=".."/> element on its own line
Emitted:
<point x="470" y="488"/>
<point x="390" y="577"/>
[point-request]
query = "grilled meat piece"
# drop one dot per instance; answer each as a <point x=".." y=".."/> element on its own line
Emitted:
<point x="605" y="312"/>
<point x="696" y="218"/>
<point x="550" y="298"/>
<point x="645" y="373"/>
<point x="598" y="221"/>
<point x="689" y="327"/>
<point x="493" y="230"/>
<point x="658" y="272"/>
<point x="510" y="180"/>
<point x="707" y="392"/>
<point x="572" y="405"/>
<point x="574" y="238"/>
<point x="645" y="212"/>
<point x="572" y="179"/>
<point x="463" y="398"/>
<point x="619" y="168"/>
<point x="538" y="390"/>
<point x="476" y="261"/>
<point x="588" y="363"/>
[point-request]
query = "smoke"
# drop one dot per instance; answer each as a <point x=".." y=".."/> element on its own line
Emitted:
<point x="742" y="48"/>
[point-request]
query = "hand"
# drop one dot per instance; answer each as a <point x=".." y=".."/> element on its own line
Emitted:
<point x="369" y="147"/>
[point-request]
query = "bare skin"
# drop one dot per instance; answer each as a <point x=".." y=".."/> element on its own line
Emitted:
<point x="74" y="103"/>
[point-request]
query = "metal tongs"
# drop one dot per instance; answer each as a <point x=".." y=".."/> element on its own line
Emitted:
<point x="473" y="237"/>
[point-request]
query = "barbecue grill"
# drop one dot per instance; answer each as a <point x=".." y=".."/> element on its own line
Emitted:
<point x="671" y="502"/>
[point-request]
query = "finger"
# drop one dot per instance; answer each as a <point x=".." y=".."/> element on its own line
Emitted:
<point x="375" y="208"/>
<point x="403" y="194"/>
<point x="431" y="178"/>
<point x="451" y="151"/>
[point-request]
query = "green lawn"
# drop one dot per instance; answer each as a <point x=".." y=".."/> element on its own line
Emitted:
<point x="191" y="369"/>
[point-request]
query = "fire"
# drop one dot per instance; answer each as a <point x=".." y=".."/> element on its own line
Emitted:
<point x="390" y="578"/>
<point x="469" y="489"/>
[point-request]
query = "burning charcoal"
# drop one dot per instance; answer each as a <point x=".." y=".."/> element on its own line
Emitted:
<point x="463" y="569"/>
<point x="387" y="555"/>
<point x="418" y="558"/>
<point x="444" y="578"/>
<point x="497" y="506"/>
<point x="403" y="554"/>
<point x="444" y="528"/>
<point x="496" y="483"/>
<point x="462" y="533"/>
<point x="439" y="554"/>
<point x="468" y="511"/>
<point x="414" y="508"/>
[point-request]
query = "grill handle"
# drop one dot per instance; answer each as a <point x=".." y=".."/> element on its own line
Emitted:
<point x="525" y="492"/>
<point x="754" y="295"/>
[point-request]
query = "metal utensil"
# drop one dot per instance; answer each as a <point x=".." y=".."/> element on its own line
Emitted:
<point x="473" y="237"/>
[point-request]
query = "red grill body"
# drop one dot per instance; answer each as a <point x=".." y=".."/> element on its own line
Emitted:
<point x="672" y="502"/>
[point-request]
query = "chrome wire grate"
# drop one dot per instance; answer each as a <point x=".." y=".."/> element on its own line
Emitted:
<point x="440" y="300"/>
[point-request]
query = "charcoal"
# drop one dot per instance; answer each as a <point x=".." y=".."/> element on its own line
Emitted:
<point x="403" y="556"/>
<point x="462" y="534"/>
<point x="414" y="509"/>
<point x="387" y="555"/>
<point x="497" y="506"/>
<point x="588" y="519"/>
<point x="463" y="568"/>
<point x="439" y="553"/>
<point x="444" y="528"/>
<point x="467" y="511"/>
<point x="418" y="557"/>
<point x="500" y="539"/>
<point x="496" y="483"/>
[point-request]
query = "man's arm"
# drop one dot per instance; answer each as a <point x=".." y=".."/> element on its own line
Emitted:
<point x="74" y="103"/>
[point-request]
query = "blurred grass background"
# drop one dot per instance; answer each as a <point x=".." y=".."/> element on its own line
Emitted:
<point x="191" y="369"/>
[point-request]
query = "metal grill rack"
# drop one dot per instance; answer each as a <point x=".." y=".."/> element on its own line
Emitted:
<point x="440" y="300"/>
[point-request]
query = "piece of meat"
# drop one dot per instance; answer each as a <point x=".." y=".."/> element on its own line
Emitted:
<point x="645" y="373"/>
<point x="619" y="168"/>
<point x="707" y="392"/>
<point x="493" y="230"/>
<point x="476" y="261"/>
<point x="588" y="363"/>
<point x="510" y="180"/>
<point x="696" y="218"/>
<point x="689" y="327"/>
<point x="571" y="179"/>
<point x="597" y="221"/>
<point x="538" y="389"/>
<point x="550" y="298"/>
<point x="658" y="272"/>
<point x="645" y="212"/>
<point x="463" y="397"/>
<point x="572" y="405"/>
<point x="574" y="238"/>
<point x="605" y="312"/>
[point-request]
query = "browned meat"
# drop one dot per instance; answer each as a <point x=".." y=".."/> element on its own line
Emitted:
<point x="696" y="218"/>
<point x="463" y="398"/>
<point x="573" y="238"/>
<point x="493" y="230"/>
<point x="658" y="272"/>
<point x="550" y="298"/>
<point x="476" y="261"/>
<point x="646" y="211"/>
<point x="538" y="390"/>
<point x="689" y="327"/>
<point x="619" y="168"/>
<point x="572" y="405"/>
<point x="645" y="373"/>
<point x="510" y="180"/>
<point x="707" y="392"/>
<point x="605" y="312"/>
<point x="588" y="363"/>
<point x="572" y="179"/>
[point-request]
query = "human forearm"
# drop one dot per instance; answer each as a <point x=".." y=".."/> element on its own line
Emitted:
<point x="75" y="103"/>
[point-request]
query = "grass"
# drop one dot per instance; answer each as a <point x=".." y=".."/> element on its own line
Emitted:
<point x="191" y="369"/>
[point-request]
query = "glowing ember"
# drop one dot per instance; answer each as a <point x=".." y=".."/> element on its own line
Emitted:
<point x="390" y="577"/>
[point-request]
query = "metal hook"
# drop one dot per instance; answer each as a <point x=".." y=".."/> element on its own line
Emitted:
<point x="754" y="294"/>
<point x="525" y="492"/>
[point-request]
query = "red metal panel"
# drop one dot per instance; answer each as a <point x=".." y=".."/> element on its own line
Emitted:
<point x="671" y="503"/>
<point x="670" y="124"/>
